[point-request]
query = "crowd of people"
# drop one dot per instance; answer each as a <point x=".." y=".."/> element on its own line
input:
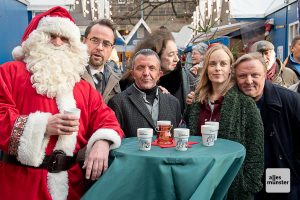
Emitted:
<point x="255" y="99"/>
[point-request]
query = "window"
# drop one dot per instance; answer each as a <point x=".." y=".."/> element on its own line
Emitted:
<point x="157" y="1"/>
<point x="121" y="1"/>
<point x="293" y="31"/>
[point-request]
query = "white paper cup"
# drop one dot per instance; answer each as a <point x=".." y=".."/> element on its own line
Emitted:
<point x="216" y="125"/>
<point x="182" y="144"/>
<point x="181" y="132"/>
<point x="73" y="111"/>
<point x="181" y="136"/>
<point x="144" y="138"/>
<point x="208" y="135"/>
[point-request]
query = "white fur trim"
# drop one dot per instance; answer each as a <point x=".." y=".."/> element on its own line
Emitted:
<point x="104" y="134"/>
<point x="65" y="101"/>
<point x="58" y="185"/>
<point x="33" y="142"/>
<point x="66" y="143"/>
<point x="18" y="53"/>
<point x="60" y="26"/>
<point x="58" y="182"/>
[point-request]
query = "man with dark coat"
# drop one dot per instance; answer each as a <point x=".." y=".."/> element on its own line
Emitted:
<point x="280" y="111"/>
<point x="142" y="104"/>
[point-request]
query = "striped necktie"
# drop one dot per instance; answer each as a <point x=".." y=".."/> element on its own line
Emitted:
<point x="100" y="86"/>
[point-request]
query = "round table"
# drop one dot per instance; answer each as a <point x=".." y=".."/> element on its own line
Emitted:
<point x="163" y="173"/>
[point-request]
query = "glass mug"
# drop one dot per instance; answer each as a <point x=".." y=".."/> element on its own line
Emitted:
<point x="163" y="129"/>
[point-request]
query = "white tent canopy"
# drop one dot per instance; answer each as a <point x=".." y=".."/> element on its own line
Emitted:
<point x="41" y="5"/>
<point x="183" y="37"/>
<point x="255" y="8"/>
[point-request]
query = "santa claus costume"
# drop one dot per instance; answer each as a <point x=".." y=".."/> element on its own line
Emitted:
<point x="46" y="81"/>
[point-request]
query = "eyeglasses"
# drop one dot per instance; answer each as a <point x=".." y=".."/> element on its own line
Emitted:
<point x="97" y="41"/>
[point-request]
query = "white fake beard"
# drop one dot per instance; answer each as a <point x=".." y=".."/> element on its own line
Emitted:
<point x="55" y="70"/>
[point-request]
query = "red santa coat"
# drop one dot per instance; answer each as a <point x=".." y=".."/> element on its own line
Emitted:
<point x="23" y="119"/>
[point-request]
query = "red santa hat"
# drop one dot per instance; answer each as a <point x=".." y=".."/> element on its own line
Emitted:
<point x="57" y="20"/>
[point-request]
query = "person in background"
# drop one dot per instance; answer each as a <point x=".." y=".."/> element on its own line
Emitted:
<point x="217" y="98"/>
<point x="277" y="73"/>
<point x="175" y="79"/>
<point x="114" y="63"/>
<point x="293" y="60"/>
<point x="142" y="104"/>
<point x="39" y="141"/>
<point x="198" y="52"/>
<point x="280" y="112"/>
<point x="100" y="38"/>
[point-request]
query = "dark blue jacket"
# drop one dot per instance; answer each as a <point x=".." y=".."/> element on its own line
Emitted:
<point x="290" y="65"/>
<point x="281" y="117"/>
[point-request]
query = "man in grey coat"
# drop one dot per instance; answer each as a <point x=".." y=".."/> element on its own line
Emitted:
<point x="100" y="38"/>
<point x="142" y="104"/>
<point x="276" y="72"/>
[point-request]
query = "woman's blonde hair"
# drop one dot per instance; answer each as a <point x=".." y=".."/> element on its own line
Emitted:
<point x="204" y="87"/>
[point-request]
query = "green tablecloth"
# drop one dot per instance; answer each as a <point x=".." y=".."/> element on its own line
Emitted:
<point x="199" y="173"/>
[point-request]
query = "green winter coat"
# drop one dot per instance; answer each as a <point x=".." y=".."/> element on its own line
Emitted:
<point x="240" y="121"/>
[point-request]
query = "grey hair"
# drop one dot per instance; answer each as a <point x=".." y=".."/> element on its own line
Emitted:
<point x="248" y="57"/>
<point x="201" y="47"/>
<point x="145" y="52"/>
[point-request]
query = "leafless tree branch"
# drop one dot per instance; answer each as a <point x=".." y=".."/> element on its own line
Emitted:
<point x="173" y="8"/>
<point x="149" y="7"/>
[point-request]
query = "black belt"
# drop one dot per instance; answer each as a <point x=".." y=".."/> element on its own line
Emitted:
<point x="54" y="163"/>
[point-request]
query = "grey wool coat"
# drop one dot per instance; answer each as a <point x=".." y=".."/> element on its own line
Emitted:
<point x="132" y="113"/>
<point x="240" y="121"/>
<point x="112" y="86"/>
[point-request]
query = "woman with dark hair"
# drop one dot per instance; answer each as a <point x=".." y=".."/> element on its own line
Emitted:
<point x="175" y="79"/>
<point x="218" y="99"/>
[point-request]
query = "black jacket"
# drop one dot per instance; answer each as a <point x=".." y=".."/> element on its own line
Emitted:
<point x="179" y="82"/>
<point x="281" y="117"/>
<point x="290" y="65"/>
<point x="132" y="112"/>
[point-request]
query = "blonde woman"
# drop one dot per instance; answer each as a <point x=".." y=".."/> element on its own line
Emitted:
<point x="218" y="99"/>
